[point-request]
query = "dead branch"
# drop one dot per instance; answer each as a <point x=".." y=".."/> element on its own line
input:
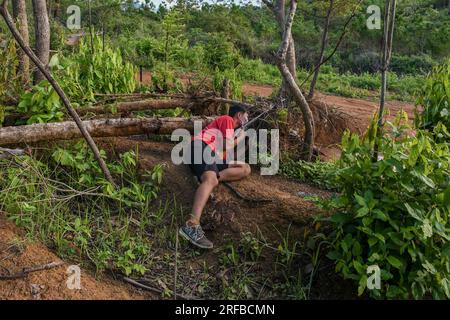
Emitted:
<point x="156" y="290"/>
<point x="27" y="271"/>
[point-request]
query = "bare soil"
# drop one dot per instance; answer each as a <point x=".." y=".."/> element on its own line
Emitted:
<point x="18" y="252"/>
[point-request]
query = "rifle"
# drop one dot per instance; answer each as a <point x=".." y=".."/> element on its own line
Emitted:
<point x="244" y="127"/>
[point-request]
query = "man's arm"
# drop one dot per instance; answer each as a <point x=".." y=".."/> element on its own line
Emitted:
<point x="240" y="137"/>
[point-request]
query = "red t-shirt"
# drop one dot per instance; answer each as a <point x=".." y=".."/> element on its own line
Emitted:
<point x="220" y="128"/>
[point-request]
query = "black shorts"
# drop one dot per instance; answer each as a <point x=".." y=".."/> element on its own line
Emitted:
<point x="208" y="164"/>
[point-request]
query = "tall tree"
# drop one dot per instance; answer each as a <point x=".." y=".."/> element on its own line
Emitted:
<point x="42" y="35"/>
<point x="21" y="20"/>
<point x="278" y="8"/>
<point x="322" y="49"/>
<point x="338" y="8"/>
<point x="294" y="89"/>
<point x="388" y="33"/>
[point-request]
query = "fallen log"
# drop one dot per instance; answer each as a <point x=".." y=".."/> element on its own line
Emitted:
<point x="97" y="128"/>
<point x="118" y="108"/>
<point x="196" y="104"/>
<point x="143" y="105"/>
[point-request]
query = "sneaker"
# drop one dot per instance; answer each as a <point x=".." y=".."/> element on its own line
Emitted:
<point x="196" y="236"/>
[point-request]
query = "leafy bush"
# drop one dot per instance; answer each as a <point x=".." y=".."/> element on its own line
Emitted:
<point x="362" y="85"/>
<point x="413" y="65"/>
<point x="86" y="173"/>
<point x="394" y="213"/>
<point x="40" y="105"/>
<point x="220" y="53"/>
<point x="320" y="174"/>
<point x="9" y="82"/>
<point x="85" y="73"/>
<point x="435" y="98"/>
<point x="64" y="202"/>
<point x="234" y="80"/>
<point x="258" y="72"/>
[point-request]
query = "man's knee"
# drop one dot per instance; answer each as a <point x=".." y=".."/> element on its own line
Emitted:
<point x="247" y="170"/>
<point x="210" y="178"/>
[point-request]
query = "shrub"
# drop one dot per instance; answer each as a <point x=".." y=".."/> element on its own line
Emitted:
<point x="435" y="99"/>
<point x="394" y="213"/>
<point x="320" y="174"/>
<point x="85" y="73"/>
<point x="220" y="53"/>
<point x="40" y="105"/>
<point x="415" y="64"/>
<point x="10" y="85"/>
<point x="258" y="72"/>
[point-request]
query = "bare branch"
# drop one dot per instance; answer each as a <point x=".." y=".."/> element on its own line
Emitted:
<point x="338" y="43"/>
<point x="27" y="271"/>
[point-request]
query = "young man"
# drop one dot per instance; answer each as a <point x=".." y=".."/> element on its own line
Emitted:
<point x="210" y="147"/>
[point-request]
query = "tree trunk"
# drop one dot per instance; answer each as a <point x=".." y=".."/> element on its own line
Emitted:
<point x="124" y="108"/>
<point x="279" y="10"/>
<point x="20" y="17"/>
<point x="42" y="34"/>
<point x="388" y="33"/>
<point x="226" y="95"/>
<point x="145" y="105"/>
<point x="308" y="142"/>
<point x="322" y="51"/>
<point x="280" y="13"/>
<point x="97" y="128"/>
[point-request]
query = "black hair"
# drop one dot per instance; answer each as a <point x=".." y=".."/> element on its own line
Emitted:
<point x="235" y="108"/>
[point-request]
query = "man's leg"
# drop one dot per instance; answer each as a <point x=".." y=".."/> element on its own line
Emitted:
<point x="192" y="231"/>
<point x="208" y="183"/>
<point x="236" y="171"/>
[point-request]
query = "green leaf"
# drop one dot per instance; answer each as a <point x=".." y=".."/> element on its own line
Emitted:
<point x="447" y="197"/>
<point x="361" y="212"/>
<point x="395" y="262"/>
<point x="362" y="284"/>
<point x="426" y="180"/>
<point x="361" y="201"/>
<point x="356" y="249"/>
<point x="413" y="212"/>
